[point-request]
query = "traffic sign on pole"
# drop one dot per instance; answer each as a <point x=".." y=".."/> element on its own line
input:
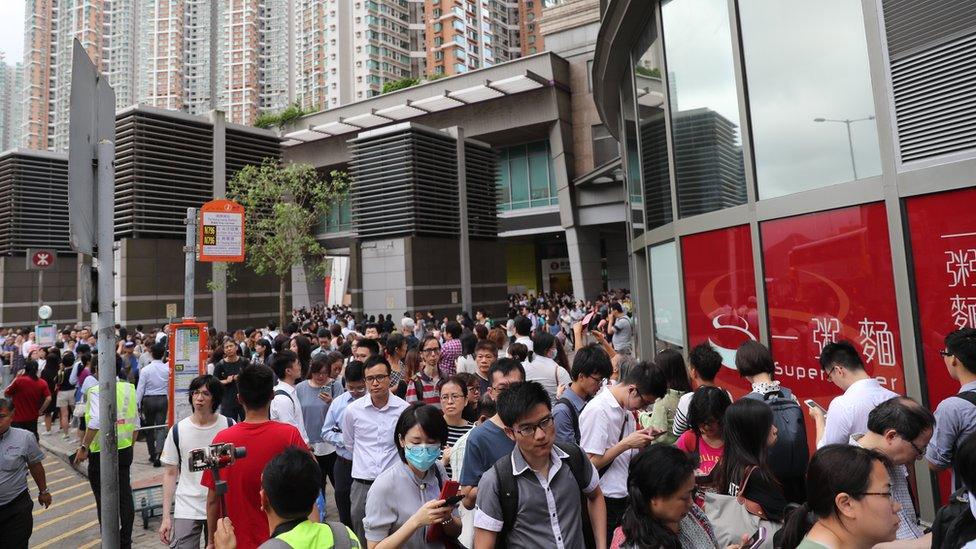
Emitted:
<point x="91" y="120"/>
<point x="40" y="260"/>
<point x="222" y="232"/>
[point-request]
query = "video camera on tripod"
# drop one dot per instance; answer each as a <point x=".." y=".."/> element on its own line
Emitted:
<point x="215" y="457"/>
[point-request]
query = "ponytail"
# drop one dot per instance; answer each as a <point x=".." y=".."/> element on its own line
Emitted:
<point x="798" y="524"/>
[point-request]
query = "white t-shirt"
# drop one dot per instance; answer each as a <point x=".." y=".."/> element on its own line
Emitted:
<point x="287" y="409"/>
<point x="547" y="373"/>
<point x="191" y="496"/>
<point x="600" y="423"/>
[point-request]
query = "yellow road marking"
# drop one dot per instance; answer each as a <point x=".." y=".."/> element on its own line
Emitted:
<point x="66" y="535"/>
<point x="90" y="544"/>
<point x="62" y="517"/>
<point x="57" y="480"/>
<point x="47" y="473"/>
<point x="69" y="488"/>
<point x="58" y="502"/>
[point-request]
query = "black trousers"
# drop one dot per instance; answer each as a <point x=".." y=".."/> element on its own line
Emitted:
<point x="327" y="464"/>
<point x="16" y="522"/>
<point x="127" y="511"/>
<point x="154" y="411"/>
<point x="342" y="482"/>
<point x="615" y="512"/>
<point x="28" y="425"/>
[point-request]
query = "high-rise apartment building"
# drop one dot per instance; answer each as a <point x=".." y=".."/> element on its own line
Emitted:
<point x="246" y="57"/>
<point x="11" y="107"/>
<point x="463" y="35"/>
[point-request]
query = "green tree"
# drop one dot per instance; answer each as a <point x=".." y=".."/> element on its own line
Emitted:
<point x="399" y="84"/>
<point x="282" y="205"/>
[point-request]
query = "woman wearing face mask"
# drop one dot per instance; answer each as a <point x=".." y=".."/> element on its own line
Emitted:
<point x="543" y="367"/>
<point x="404" y="501"/>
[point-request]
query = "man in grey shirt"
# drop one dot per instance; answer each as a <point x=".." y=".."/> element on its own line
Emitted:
<point x="955" y="417"/>
<point x="621" y="328"/>
<point x="19" y="454"/>
<point x="548" y="511"/>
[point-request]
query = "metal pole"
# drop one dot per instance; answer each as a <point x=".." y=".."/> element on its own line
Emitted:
<point x="108" y="456"/>
<point x="40" y="287"/>
<point x="191" y="262"/>
<point x="850" y="144"/>
<point x="465" y="244"/>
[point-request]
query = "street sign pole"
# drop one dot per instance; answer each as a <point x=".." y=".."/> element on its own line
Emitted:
<point x="40" y="287"/>
<point x="191" y="262"/>
<point x="109" y="455"/>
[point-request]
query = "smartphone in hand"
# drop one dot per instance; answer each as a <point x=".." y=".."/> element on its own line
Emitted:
<point x="813" y="404"/>
<point x="756" y="540"/>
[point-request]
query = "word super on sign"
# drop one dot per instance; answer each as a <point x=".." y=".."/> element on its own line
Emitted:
<point x="221" y="231"/>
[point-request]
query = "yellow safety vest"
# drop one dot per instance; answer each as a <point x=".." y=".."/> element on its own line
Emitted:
<point x="125" y="425"/>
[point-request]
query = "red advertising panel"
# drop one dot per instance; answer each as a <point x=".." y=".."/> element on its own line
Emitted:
<point x="720" y="296"/>
<point x="942" y="230"/>
<point x="828" y="277"/>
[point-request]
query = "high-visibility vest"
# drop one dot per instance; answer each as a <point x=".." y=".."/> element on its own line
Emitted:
<point x="308" y="535"/>
<point x="125" y="425"/>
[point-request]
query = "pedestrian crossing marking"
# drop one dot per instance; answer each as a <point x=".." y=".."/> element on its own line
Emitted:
<point x="66" y="535"/>
<point x="90" y="544"/>
<point x="62" y="517"/>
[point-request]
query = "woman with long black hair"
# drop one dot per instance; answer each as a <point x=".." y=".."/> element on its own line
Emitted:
<point x="662" y="415"/>
<point x="302" y="346"/>
<point x="748" y="432"/>
<point x="849" y="502"/>
<point x="660" y="512"/>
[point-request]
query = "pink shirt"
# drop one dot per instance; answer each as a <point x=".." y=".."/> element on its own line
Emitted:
<point x="708" y="455"/>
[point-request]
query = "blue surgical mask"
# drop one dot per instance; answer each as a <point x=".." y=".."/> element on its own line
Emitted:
<point x="422" y="456"/>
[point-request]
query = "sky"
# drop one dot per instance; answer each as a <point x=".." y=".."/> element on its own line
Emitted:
<point x="12" y="29"/>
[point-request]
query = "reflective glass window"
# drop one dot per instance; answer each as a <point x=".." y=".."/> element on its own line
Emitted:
<point x="632" y="160"/>
<point x="652" y="162"/>
<point x="810" y="97"/>
<point x="668" y="325"/>
<point x="525" y="177"/>
<point x="705" y="121"/>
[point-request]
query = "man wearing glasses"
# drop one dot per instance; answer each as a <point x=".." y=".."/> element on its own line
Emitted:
<point x="547" y="478"/>
<point x="332" y="433"/>
<point x="900" y="428"/>
<point x="367" y="433"/>
<point x="609" y="435"/>
<point x="488" y="441"/>
<point x="847" y="413"/>
<point x="591" y="367"/>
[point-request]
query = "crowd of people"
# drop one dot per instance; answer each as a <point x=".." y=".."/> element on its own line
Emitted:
<point x="538" y="429"/>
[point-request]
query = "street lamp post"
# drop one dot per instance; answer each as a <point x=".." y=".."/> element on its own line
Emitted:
<point x="850" y="140"/>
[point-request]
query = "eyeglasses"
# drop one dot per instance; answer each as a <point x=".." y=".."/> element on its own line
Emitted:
<point x="499" y="388"/>
<point x="377" y="378"/>
<point x="945" y="353"/>
<point x="358" y="391"/>
<point x="451" y="397"/>
<point x="202" y="393"/>
<point x="887" y="494"/>
<point x="831" y="370"/>
<point x="430" y="351"/>
<point x="529" y="430"/>
<point x="919" y="451"/>
<point x="597" y="378"/>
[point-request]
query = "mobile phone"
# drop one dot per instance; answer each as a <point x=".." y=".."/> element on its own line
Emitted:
<point x="813" y="404"/>
<point x="452" y="501"/>
<point x="757" y="539"/>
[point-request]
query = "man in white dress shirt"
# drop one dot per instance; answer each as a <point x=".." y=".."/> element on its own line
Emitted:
<point x="151" y="398"/>
<point x="367" y="432"/>
<point x="285" y="406"/>
<point x="848" y="413"/>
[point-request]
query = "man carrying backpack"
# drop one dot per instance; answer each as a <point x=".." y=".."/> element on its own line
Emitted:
<point x="285" y="406"/>
<point x="289" y="486"/>
<point x="789" y="455"/>
<point x="189" y="520"/>
<point x="591" y="366"/>
<point x="534" y="497"/>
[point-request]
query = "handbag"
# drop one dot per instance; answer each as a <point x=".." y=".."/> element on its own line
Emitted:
<point x="733" y="516"/>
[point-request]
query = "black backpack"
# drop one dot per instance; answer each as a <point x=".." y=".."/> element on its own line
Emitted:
<point x="787" y="458"/>
<point x="954" y="525"/>
<point x="509" y="498"/>
<point x="573" y="414"/>
<point x="176" y="440"/>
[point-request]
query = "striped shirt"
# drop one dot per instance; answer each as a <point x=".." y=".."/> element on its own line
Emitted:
<point x="453" y="434"/>
<point x="429" y="386"/>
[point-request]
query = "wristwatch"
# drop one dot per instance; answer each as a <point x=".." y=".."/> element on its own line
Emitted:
<point x="43" y="492"/>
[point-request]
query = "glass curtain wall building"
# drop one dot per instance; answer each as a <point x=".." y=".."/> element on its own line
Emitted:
<point x="799" y="173"/>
